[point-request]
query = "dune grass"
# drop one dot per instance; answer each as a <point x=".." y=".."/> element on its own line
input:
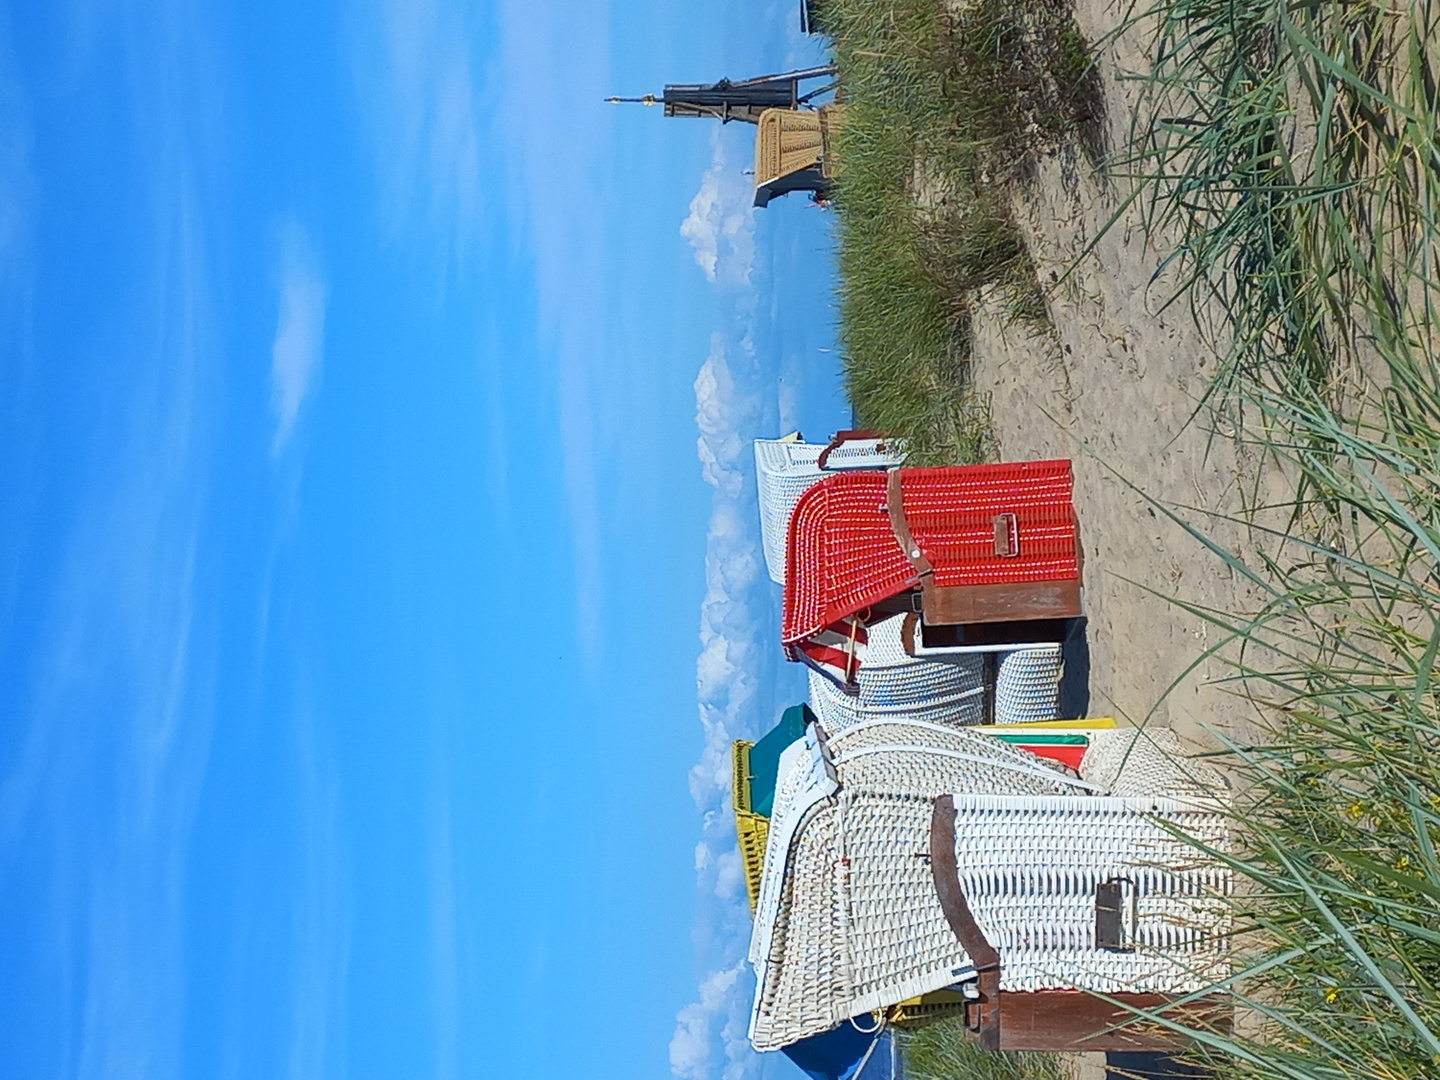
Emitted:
<point x="1293" y="150"/>
<point x="1339" y="967"/>
<point x="944" y="113"/>
<point x="940" y="1052"/>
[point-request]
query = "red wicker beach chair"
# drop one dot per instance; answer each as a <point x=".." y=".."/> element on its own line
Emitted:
<point x="991" y="549"/>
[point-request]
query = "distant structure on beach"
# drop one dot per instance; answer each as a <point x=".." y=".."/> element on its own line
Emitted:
<point x="792" y="138"/>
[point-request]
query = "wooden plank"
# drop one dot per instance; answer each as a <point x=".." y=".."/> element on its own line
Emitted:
<point x="1001" y="603"/>
<point x="1072" y="1020"/>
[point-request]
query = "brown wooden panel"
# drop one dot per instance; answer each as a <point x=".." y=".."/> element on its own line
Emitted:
<point x="1001" y="603"/>
<point x="1073" y="1020"/>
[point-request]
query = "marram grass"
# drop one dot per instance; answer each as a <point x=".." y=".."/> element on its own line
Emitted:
<point x="940" y="1052"/>
<point x="945" y="109"/>
<point x="1292" y="149"/>
<point x="1338" y="968"/>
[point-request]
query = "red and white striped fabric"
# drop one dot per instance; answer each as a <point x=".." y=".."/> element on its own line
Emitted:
<point x="842" y="555"/>
<point x="835" y="651"/>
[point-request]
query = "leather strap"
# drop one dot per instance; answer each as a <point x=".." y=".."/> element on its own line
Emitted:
<point x="844" y="437"/>
<point x="907" y="632"/>
<point x="895" y="504"/>
<point x="984" y="957"/>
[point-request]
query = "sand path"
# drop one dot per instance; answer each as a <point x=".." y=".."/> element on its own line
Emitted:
<point x="1116" y="390"/>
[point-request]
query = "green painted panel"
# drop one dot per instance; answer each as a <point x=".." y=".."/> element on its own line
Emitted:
<point x="765" y="756"/>
<point x="1041" y="738"/>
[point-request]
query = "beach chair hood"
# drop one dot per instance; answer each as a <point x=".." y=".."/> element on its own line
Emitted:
<point x="981" y="543"/>
<point x="850" y="920"/>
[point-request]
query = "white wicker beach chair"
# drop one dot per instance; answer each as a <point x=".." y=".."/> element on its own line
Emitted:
<point x="786" y="468"/>
<point x="849" y="918"/>
<point x="893" y="683"/>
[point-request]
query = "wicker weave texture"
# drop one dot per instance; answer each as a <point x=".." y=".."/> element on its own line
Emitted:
<point x="786" y="140"/>
<point x="786" y="469"/>
<point x="1029" y="869"/>
<point x="751" y="834"/>
<point x="845" y="557"/>
<point x="1148" y="763"/>
<point x="893" y="683"/>
<point x="1027" y="685"/>
<point x="849" y="920"/>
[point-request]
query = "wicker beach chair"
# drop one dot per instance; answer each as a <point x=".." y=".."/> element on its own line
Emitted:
<point x="755" y="770"/>
<point x="990" y="552"/>
<point x="894" y="683"/>
<point x="786" y="468"/>
<point x="1064" y="741"/>
<point x="847" y="920"/>
<point x="793" y="151"/>
<point x="852" y="915"/>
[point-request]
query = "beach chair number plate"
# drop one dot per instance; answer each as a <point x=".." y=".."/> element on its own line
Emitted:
<point x="1110" y="912"/>
<point x="1007" y="536"/>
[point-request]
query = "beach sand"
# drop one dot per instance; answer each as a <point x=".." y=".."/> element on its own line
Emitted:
<point x="1117" y="389"/>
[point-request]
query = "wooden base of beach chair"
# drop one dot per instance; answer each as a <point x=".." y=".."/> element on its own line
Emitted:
<point x="930" y="639"/>
<point x="1075" y="1021"/>
<point x="1007" y="603"/>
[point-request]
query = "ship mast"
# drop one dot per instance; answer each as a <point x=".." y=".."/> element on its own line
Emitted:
<point x="744" y="100"/>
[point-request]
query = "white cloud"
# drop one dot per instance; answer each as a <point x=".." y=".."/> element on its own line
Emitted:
<point x="690" y="1048"/>
<point x="719" y="443"/>
<point x="300" y="333"/>
<point x="729" y="875"/>
<point x="730" y="678"/>
<point x="721" y="223"/>
<point x="741" y="679"/>
<point x="725" y="678"/>
<point x="414" y="74"/>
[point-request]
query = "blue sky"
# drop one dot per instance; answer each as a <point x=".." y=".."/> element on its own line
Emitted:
<point x="375" y="408"/>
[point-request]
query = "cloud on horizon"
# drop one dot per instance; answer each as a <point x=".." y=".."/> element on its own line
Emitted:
<point x="710" y="1033"/>
<point x="725" y="672"/>
<point x="299" y="346"/>
<point x="729" y="681"/>
<point x="721" y="224"/>
<point x="690" y="1049"/>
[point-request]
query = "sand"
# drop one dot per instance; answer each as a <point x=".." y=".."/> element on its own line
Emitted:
<point x="1116" y="389"/>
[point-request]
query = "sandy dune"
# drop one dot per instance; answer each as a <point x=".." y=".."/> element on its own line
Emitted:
<point x="1116" y="389"/>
